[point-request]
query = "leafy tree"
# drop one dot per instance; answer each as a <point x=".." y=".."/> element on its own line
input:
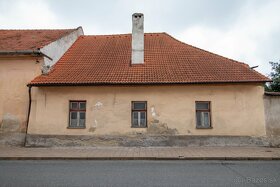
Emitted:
<point x="275" y="76"/>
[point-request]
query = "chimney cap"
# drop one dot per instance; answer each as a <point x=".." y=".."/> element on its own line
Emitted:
<point x="135" y="15"/>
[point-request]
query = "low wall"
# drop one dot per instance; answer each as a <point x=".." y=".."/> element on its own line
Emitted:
<point x="272" y="117"/>
<point x="141" y="141"/>
<point x="12" y="139"/>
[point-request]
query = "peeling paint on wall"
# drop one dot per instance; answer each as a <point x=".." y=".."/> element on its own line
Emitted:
<point x="98" y="105"/>
<point x="155" y="115"/>
<point x="155" y="127"/>
<point x="93" y="126"/>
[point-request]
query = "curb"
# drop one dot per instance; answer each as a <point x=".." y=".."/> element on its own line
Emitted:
<point x="140" y="158"/>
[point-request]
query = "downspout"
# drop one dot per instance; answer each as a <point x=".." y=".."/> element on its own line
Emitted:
<point x="28" y="114"/>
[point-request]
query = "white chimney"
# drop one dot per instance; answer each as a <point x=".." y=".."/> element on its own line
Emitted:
<point x="137" y="55"/>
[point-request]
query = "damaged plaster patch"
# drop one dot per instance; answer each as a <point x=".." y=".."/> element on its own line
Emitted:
<point x="98" y="105"/>
<point x="10" y="123"/>
<point x="93" y="127"/>
<point x="154" y="113"/>
<point x="45" y="69"/>
<point x="160" y="129"/>
<point x="156" y="127"/>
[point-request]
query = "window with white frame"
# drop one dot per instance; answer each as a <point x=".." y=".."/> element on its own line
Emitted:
<point x="139" y="114"/>
<point x="203" y="114"/>
<point x="77" y="114"/>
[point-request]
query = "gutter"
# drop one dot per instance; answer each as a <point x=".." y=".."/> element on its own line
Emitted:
<point x="139" y="84"/>
<point x="28" y="114"/>
<point x="24" y="52"/>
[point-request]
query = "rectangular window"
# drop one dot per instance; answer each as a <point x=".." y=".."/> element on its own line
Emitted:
<point x="77" y="114"/>
<point x="139" y="114"/>
<point x="203" y="114"/>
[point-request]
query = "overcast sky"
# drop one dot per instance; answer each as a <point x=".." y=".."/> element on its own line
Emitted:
<point x="244" y="30"/>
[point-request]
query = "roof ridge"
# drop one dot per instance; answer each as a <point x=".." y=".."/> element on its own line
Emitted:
<point x="120" y="34"/>
<point x="235" y="61"/>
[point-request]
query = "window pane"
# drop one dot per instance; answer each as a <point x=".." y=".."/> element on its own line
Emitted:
<point x="139" y="106"/>
<point x="82" y="105"/>
<point x="73" y="119"/>
<point x="82" y="122"/>
<point x="73" y="115"/>
<point x="74" y="105"/>
<point x="198" y="119"/>
<point x="202" y="106"/>
<point x="203" y="119"/>
<point x="82" y="115"/>
<point x="206" y="121"/>
<point x="74" y="123"/>
<point x="135" y="119"/>
<point x="143" y="119"/>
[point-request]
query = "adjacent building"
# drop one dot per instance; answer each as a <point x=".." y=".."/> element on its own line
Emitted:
<point x="25" y="54"/>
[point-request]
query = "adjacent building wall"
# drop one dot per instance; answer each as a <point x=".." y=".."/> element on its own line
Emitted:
<point x="15" y="73"/>
<point x="235" y="109"/>
<point x="272" y="114"/>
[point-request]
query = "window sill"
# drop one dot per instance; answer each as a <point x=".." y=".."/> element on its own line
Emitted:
<point x="76" y="127"/>
<point x="139" y="127"/>
<point x="204" y="127"/>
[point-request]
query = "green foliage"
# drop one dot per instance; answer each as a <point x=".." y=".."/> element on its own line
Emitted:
<point x="275" y="76"/>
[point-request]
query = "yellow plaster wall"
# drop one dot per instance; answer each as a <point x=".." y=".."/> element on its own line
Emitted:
<point x="15" y="73"/>
<point x="235" y="109"/>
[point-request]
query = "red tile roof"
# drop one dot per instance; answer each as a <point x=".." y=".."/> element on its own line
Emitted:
<point x="17" y="40"/>
<point x="105" y="59"/>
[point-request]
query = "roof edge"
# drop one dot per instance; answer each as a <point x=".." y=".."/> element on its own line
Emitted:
<point x="24" y="52"/>
<point x="136" y="84"/>
<point x="272" y="93"/>
<point x="21" y="52"/>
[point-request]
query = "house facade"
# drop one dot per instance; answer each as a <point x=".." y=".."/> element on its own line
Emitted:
<point x="203" y="109"/>
<point x="113" y="88"/>
<point x="146" y="83"/>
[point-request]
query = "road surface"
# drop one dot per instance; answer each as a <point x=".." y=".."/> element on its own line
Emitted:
<point x="139" y="173"/>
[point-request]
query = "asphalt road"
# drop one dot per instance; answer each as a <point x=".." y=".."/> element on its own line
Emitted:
<point x="139" y="173"/>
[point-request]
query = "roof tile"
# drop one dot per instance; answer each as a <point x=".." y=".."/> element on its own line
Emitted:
<point x="105" y="59"/>
<point x="16" y="40"/>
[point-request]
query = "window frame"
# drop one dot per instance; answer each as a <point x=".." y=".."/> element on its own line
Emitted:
<point x="203" y="110"/>
<point x="76" y="110"/>
<point x="139" y="110"/>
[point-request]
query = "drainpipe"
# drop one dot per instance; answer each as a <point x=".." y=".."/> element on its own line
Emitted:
<point x="28" y="114"/>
